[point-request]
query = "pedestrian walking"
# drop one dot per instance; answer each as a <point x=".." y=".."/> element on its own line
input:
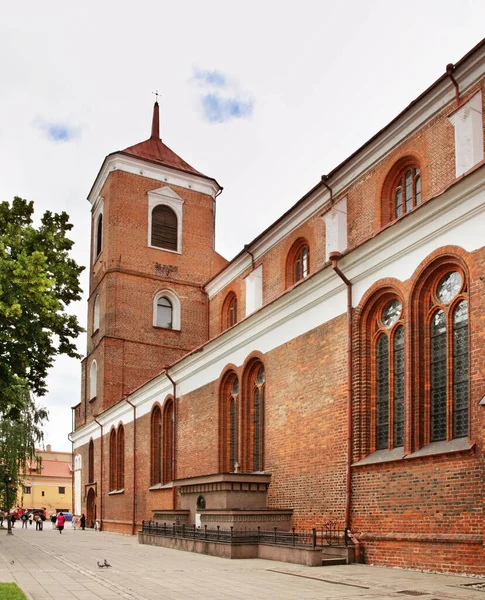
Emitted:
<point x="74" y="521"/>
<point x="53" y="520"/>
<point x="82" y="521"/>
<point x="24" y="518"/>
<point x="13" y="518"/>
<point x="31" y="516"/>
<point x="61" y="519"/>
<point x="38" y="523"/>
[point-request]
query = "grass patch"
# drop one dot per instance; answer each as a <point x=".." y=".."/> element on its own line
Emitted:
<point x="11" y="591"/>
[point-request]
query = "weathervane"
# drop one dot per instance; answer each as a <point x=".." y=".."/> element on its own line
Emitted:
<point x="156" y="94"/>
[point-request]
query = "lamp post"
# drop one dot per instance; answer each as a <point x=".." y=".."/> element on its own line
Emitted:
<point x="7" y="480"/>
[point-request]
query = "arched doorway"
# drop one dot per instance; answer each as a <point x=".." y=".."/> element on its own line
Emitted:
<point x="91" y="508"/>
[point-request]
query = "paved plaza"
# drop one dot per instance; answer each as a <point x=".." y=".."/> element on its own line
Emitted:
<point x="50" y="565"/>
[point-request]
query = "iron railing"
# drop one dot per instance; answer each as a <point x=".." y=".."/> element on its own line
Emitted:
<point x="327" y="535"/>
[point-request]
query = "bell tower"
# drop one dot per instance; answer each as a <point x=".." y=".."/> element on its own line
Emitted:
<point x="152" y="249"/>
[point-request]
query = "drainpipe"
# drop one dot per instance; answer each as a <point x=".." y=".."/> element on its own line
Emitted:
<point x="324" y="181"/>
<point x="72" y="464"/>
<point x="214" y="204"/>
<point x="133" y="527"/>
<point x="174" y="437"/>
<point x="246" y="249"/>
<point x="101" y="477"/>
<point x="449" y="71"/>
<point x="334" y="257"/>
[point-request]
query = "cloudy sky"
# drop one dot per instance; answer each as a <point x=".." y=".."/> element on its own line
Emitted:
<point x="264" y="96"/>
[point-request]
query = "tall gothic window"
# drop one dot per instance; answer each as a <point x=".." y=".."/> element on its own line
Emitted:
<point x="389" y="376"/>
<point x="298" y="262"/>
<point x="112" y="460"/>
<point x="448" y="360"/>
<point x="252" y="423"/>
<point x="91" y="462"/>
<point x="99" y="236"/>
<point x="164" y="228"/>
<point x="120" y="458"/>
<point x="156" y="446"/>
<point x="229" y="420"/>
<point x="168" y="441"/>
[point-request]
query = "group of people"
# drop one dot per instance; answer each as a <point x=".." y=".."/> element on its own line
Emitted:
<point x="58" y="521"/>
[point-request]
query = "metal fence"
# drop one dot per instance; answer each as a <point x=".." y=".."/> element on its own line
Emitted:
<point x="327" y="535"/>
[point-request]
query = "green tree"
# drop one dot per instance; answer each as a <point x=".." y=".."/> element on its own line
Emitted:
<point x="18" y="440"/>
<point x="38" y="281"/>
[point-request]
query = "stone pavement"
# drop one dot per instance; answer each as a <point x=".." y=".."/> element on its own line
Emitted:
<point x="49" y="565"/>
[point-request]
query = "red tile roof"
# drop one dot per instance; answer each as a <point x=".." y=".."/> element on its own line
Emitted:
<point x="54" y="468"/>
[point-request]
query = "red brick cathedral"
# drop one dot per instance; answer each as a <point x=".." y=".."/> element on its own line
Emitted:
<point x="332" y="371"/>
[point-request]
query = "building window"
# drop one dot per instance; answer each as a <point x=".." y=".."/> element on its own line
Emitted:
<point x="96" y="314"/>
<point x="228" y="419"/>
<point x="93" y="376"/>
<point x="164" y="228"/>
<point x="156" y="446"/>
<point x="252" y="423"/>
<point x="91" y="462"/>
<point x="407" y="191"/>
<point x="229" y="311"/>
<point x="389" y="376"/>
<point x="27" y="489"/>
<point x="62" y="490"/>
<point x="120" y="458"/>
<point x="43" y="493"/>
<point x="168" y="440"/>
<point x="448" y="361"/>
<point x="112" y="460"/>
<point x="298" y="262"/>
<point x="166" y="310"/>
<point x="99" y="235"/>
<point x="164" y="313"/>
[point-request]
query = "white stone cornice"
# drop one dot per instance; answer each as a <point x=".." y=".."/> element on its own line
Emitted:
<point x="138" y="166"/>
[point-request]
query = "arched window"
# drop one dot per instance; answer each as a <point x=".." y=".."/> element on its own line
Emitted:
<point x="156" y="446"/>
<point x="168" y="441"/>
<point x="164" y="313"/>
<point x="229" y="311"/>
<point x="298" y="262"/>
<point x="93" y="376"/>
<point x="99" y="235"/>
<point x="164" y="228"/>
<point x="112" y="460"/>
<point x="120" y="458"/>
<point x="389" y="376"/>
<point x="228" y="423"/>
<point x="91" y="462"/>
<point x="96" y="314"/>
<point x="166" y="310"/>
<point x="253" y="418"/>
<point x="448" y="357"/>
<point x="407" y="191"/>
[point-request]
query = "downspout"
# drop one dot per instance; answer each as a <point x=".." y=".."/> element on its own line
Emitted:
<point x="219" y="191"/>
<point x="334" y="257"/>
<point x="449" y="71"/>
<point x="246" y="249"/>
<point x="324" y="181"/>
<point x="72" y="463"/>
<point x="101" y="477"/>
<point x="133" y="527"/>
<point x="174" y="436"/>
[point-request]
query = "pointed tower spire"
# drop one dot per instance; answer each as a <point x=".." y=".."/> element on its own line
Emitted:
<point x="155" y="122"/>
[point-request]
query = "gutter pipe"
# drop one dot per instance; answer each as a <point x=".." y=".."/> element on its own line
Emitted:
<point x="449" y="71"/>
<point x="334" y="257"/>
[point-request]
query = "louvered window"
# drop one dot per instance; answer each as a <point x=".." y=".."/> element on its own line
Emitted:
<point x="164" y="228"/>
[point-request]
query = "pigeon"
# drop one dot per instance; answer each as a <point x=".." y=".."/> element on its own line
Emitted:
<point x="12" y="562"/>
<point x="106" y="564"/>
<point x="103" y="565"/>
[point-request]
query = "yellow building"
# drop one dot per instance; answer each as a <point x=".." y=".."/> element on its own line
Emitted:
<point x="48" y="486"/>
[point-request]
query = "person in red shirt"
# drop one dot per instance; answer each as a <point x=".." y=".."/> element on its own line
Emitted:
<point x="61" y="519"/>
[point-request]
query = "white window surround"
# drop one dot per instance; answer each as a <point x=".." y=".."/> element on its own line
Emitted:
<point x="98" y="211"/>
<point x="254" y="290"/>
<point x="468" y="124"/>
<point x="96" y="314"/>
<point x="166" y="196"/>
<point x="93" y="376"/>
<point x="336" y="228"/>
<point x="174" y="299"/>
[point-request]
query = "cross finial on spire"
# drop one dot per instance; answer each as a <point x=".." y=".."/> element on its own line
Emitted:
<point x="156" y="119"/>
